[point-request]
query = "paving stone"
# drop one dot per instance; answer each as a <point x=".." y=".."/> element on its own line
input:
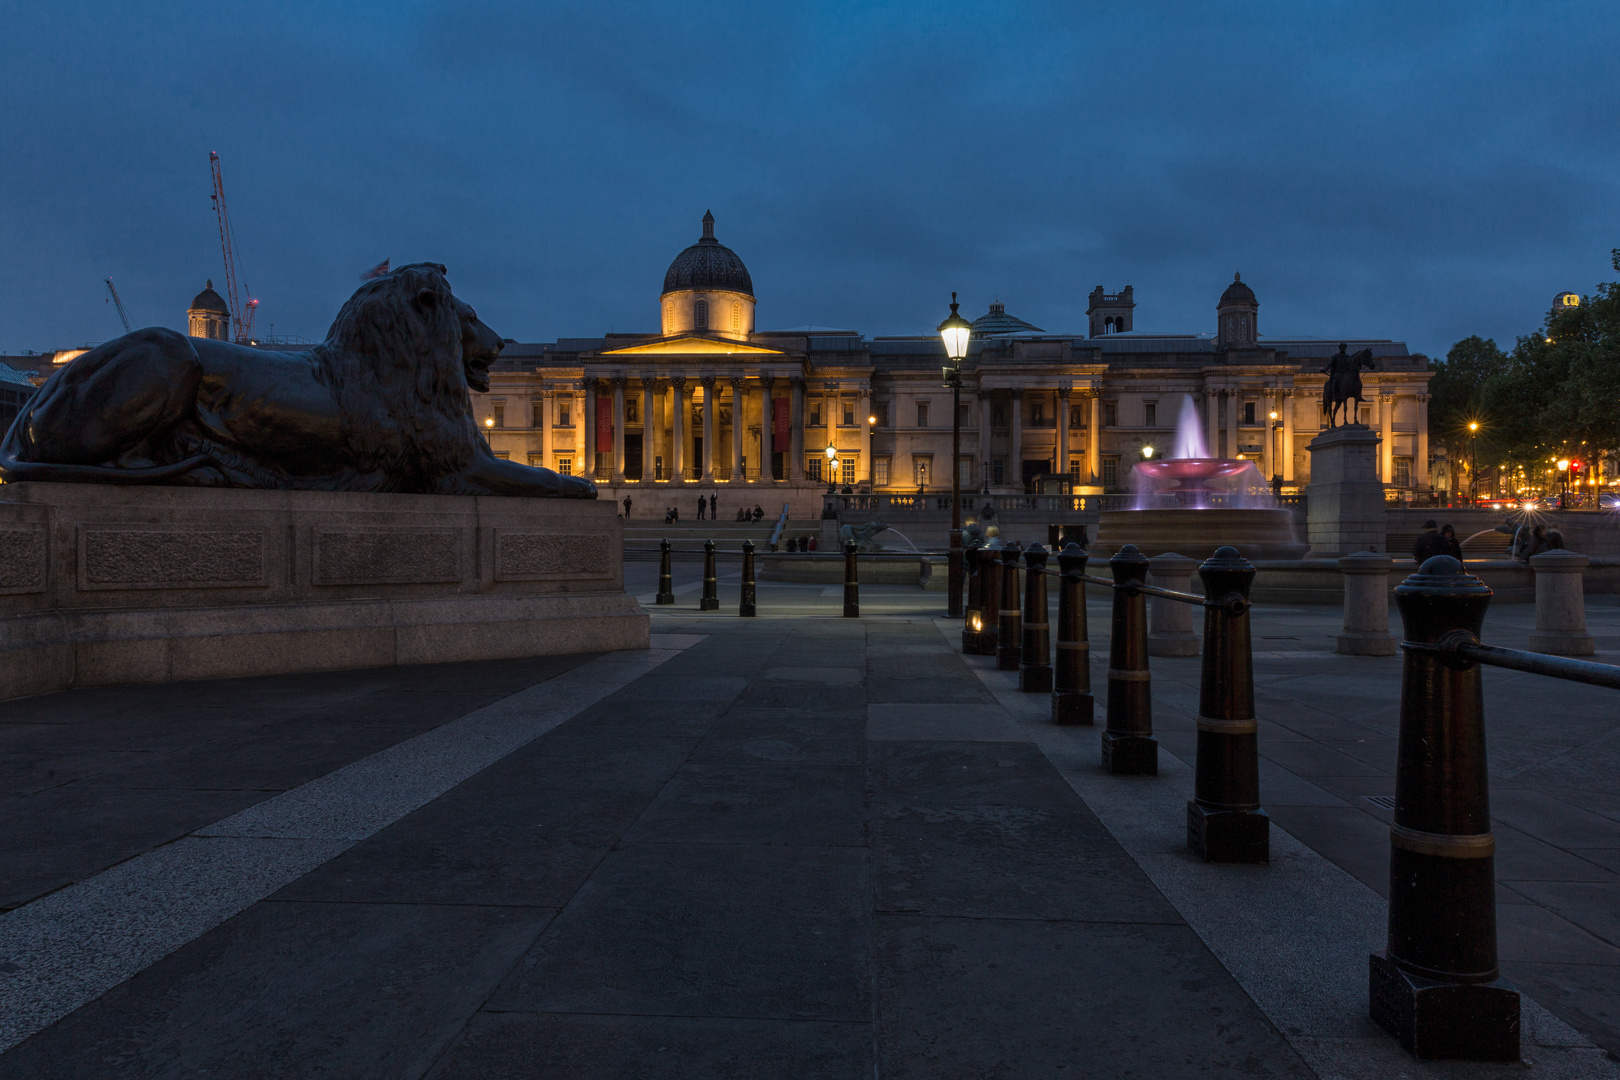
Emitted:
<point x="786" y="803"/>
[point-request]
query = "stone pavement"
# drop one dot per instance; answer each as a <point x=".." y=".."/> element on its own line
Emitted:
<point x="790" y="846"/>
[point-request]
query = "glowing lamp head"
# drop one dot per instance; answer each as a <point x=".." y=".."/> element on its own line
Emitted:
<point x="1563" y="464"/>
<point x="831" y="453"/>
<point x="1473" y="425"/>
<point x="1274" y="414"/>
<point x="489" y="421"/>
<point x="1147" y="451"/>
<point x="955" y="332"/>
<point x="872" y="420"/>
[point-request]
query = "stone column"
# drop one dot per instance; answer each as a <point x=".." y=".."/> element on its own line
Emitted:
<point x="547" y="396"/>
<point x="1094" y="434"/>
<point x="587" y="428"/>
<point x="649" y="431"/>
<point x="1270" y="455"/>
<point x="1212" y="421"/>
<point x="794" y="467"/>
<point x="677" y="436"/>
<point x="986" y="431"/>
<point x="1170" y="622"/>
<point x="709" y="410"/>
<point x="1288" y="437"/>
<point x="1063" y="431"/>
<point x="1421" y="465"/>
<point x="1560" y="605"/>
<point x="1386" y="430"/>
<point x="1015" y="436"/>
<point x="863" y="409"/>
<point x="1231" y="443"/>
<point x="736" y="429"/>
<point x="762" y="466"/>
<point x="1366" y="605"/>
<point x="618" y="429"/>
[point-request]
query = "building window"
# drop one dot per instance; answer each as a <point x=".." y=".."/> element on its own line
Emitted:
<point x="849" y="469"/>
<point x="562" y="413"/>
<point x="998" y="471"/>
<point x="1403" y="472"/>
<point x="849" y="414"/>
<point x="1110" y="414"/>
<point x="815" y="416"/>
<point x="998" y="416"/>
<point x="922" y="414"/>
<point x="700" y="315"/>
<point x="1248" y="414"/>
<point x="736" y="317"/>
<point x="880" y="472"/>
<point x="537" y="414"/>
<point x="923" y="465"/>
<point x="882" y="414"/>
<point x="1074" y="470"/>
<point x="537" y="461"/>
<point x="1110" y="476"/>
<point x="504" y="455"/>
<point x="1150" y="414"/>
<point x="500" y="415"/>
<point x="812" y="466"/>
<point x="565" y="466"/>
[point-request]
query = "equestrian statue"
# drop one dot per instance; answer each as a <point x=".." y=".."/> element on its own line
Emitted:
<point x="1343" y="384"/>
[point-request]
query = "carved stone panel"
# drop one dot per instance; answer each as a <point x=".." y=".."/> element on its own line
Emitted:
<point x="22" y="560"/>
<point x="130" y="558"/>
<point x="386" y="557"/>
<point x="529" y="556"/>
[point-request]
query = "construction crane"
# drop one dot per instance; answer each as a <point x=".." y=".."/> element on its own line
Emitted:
<point x="119" y="304"/>
<point x="241" y="314"/>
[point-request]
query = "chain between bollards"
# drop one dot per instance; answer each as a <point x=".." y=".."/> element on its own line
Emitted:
<point x="852" y="583"/>
<point x="1072" y="702"/>
<point x="1224" y="820"/>
<point x="711" y="587"/>
<point x="666" y="584"/>
<point x="1009" y="633"/>
<point x="1128" y="745"/>
<point x="1034" y="666"/>
<point x="745" y="606"/>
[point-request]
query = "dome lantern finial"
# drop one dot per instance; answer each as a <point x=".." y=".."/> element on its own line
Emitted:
<point x="708" y="227"/>
<point x="1237" y="277"/>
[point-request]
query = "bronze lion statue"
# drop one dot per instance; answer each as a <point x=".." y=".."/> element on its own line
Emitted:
<point x="380" y="405"/>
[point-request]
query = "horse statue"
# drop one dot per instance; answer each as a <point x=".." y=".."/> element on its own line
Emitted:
<point x="1344" y="384"/>
<point x="864" y="537"/>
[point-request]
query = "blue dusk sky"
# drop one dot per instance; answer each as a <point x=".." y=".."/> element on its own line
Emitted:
<point x="1407" y="170"/>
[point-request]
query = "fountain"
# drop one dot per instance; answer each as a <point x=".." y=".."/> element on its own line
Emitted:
<point x="1192" y="503"/>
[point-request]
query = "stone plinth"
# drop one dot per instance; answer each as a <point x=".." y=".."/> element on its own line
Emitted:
<point x="108" y="584"/>
<point x="1259" y="533"/>
<point x="1346" y="499"/>
<point x="1366" y="605"/>
<point x="1170" y="622"/>
<point x="1560" y="604"/>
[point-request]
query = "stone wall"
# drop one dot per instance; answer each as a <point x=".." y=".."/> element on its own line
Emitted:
<point x="106" y="584"/>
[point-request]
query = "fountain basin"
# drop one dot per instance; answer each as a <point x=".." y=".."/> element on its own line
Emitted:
<point x="1256" y="533"/>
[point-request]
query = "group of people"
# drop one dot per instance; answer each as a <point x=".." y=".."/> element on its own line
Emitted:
<point x="709" y="507"/>
<point x="1528" y="541"/>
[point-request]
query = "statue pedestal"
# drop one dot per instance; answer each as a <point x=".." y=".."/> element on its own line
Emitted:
<point x="105" y="584"/>
<point x="1346" y="510"/>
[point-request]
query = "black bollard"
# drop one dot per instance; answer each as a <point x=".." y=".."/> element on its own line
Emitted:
<point x="1034" y="665"/>
<point x="666" y="584"/>
<point x="1128" y="745"/>
<point x="745" y="607"/>
<point x="1009" y="632"/>
<point x="1072" y="702"/>
<point x="1437" y="987"/>
<point x="711" y="588"/>
<point x="852" y="583"/>
<point x="1224" y="819"/>
<point x="990" y="599"/>
<point x="972" y="617"/>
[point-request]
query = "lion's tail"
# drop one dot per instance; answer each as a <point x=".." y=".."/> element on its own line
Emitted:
<point x="14" y="471"/>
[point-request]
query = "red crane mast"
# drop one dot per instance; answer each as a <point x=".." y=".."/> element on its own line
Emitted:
<point x="241" y="315"/>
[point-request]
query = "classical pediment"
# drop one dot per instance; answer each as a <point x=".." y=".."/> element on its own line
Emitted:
<point x="693" y="345"/>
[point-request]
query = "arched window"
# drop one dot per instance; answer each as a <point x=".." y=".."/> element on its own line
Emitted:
<point x="736" y="317"/>
<point x="1108" y="325"/>
<point x="700" y="315"/>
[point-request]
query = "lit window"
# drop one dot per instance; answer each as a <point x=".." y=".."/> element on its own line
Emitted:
<point x="565" y="466"/>
<point x="849" y="470"/>
<point x="880" y="472"/>
<point x="700" y="315"/>
<point x="812" y="466"/>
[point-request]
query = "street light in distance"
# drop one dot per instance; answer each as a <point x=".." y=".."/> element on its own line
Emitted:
<point x="955" y="332"/>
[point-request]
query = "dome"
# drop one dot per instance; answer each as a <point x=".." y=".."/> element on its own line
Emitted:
<point x="1238" y="293"/>
<point x="997" y="321"/>
<point x="708" y="264"/>
<point x="209" y="300"/>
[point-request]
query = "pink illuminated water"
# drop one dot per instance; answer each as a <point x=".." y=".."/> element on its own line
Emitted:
<point x="1190" y="478"/>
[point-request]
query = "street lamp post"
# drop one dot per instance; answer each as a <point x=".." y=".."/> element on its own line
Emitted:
<point x="955" y="331"/>
<point x="489" y="427"/>
<point x="832" y="467"/>
<point x="1473" y="469"/>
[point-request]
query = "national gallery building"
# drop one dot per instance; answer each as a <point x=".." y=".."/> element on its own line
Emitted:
<point x="712" y="403"/>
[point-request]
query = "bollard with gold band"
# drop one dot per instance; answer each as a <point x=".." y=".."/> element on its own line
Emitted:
<point x="1437" y="987"/>
<point x="1009" y="633"/>
<point x="1072" y="702"/>
<point x="1034" y="663"/>
<point x="1128" y="745"/>
<point x="1224" y="820"/>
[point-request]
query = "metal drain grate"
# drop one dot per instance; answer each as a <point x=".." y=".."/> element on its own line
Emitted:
<point x="1386" y="801"/>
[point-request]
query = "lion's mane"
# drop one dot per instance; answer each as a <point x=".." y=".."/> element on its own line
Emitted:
<point x="393" y="359"/>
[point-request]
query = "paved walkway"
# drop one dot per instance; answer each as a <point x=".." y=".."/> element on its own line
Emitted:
<point x="791" y="846"/>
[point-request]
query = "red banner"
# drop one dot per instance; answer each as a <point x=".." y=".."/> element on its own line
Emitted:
<point x="779" y="436"/>
<point x="604" y="425"/>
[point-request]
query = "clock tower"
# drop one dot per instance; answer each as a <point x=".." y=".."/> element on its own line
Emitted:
<point x="1237" y="317"/>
